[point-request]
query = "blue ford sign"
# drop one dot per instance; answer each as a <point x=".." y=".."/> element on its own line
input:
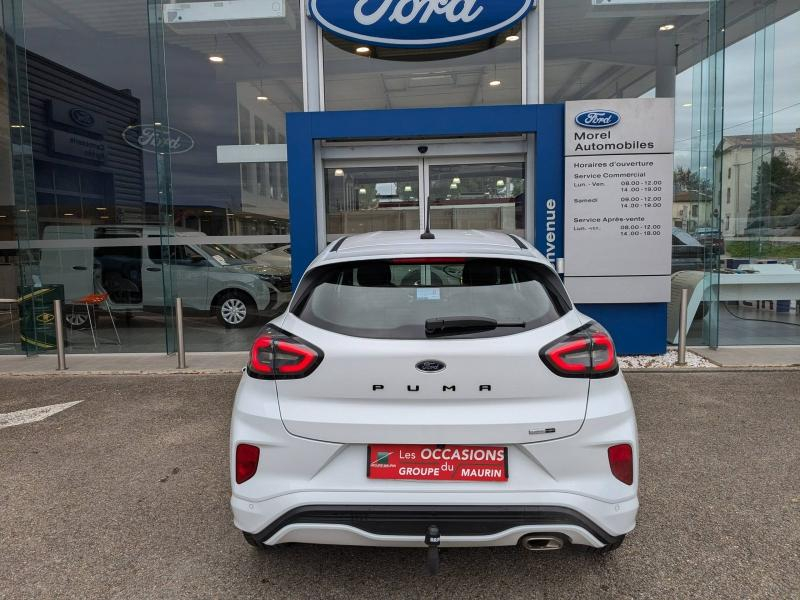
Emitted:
<point x="417" y="23"/>
<point x="597" y="119"/>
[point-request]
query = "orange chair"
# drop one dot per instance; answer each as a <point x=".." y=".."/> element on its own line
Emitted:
<point x="90" y="301"/>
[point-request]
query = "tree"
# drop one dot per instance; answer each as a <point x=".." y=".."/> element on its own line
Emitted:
<point x="686" y="180"/>
<point x="776" y="192"/>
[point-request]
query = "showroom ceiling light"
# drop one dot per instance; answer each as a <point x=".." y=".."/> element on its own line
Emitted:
<point x="208" y="211"/>
<point x="362" y="191"/>
<point x="453" y="186"/>
<point x="262" y="98"/>
<point x="667" y="27"/>
<point x="407" y="188"/>
<point x="687" y="104"/>
<point x="101" y="208"/>
<point x="501" y="183"/>
<point x="215" y="57"/>
<point x="69" y="214"/>
<point x="495" y="82"/>
<point x="456" y="179"/>
<point x="363" y="50"/>
<point x="339" y="172"/>
<point x="512" y="38"/>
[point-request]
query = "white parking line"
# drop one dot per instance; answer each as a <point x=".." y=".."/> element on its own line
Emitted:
<point x="31" y="415"/>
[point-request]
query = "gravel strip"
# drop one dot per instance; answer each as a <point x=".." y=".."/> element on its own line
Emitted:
<point x="665" y="361"/>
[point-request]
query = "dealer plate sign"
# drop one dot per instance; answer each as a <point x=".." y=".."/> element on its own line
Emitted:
<point x="437" y="463"/>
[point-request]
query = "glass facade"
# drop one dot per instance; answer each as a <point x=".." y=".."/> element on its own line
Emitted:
<point x="143" y="155"/>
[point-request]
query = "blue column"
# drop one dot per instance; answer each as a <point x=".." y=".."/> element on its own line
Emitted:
<point x="302" y="193"/>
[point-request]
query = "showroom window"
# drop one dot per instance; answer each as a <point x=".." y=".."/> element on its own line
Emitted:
<point x="485" y="72"/>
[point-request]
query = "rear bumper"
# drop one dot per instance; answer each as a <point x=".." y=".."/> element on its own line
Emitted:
<point x="406" y="525"/>
<point x="403" y="518"/>
<point x="318" y="492"/>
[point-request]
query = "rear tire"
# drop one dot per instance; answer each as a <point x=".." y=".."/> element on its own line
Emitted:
<point x="607" y="549"/>
<point x="248" y="537"/>
<point x="235" y="310"/>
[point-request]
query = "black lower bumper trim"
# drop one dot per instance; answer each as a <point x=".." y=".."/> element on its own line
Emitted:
<point x="451" y="520"/>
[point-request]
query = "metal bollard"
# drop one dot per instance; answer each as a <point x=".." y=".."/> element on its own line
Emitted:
<point x="62" y="355"/>
<point x="179" y="327"/>
<point x="682" y="328"/>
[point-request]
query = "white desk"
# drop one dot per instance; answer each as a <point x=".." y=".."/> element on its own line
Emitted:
<point x="751" y="282"/>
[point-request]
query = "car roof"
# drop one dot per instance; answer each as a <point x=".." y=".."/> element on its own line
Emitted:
<point x="447" y="242"/>
<point x="684" y="237"/>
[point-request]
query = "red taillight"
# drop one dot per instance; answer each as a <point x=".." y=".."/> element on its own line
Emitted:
<point x="276" y="354"/>
<point x="588" y="352"/>
<point x="260" y="355"/>
<point x="246" y="461"/>
<point x="620" y="458"/>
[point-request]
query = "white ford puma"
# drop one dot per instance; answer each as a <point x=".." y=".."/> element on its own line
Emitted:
<point x="426" y="392"/>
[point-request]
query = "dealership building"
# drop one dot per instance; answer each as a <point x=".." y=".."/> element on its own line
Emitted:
<point x="154" y="150"/>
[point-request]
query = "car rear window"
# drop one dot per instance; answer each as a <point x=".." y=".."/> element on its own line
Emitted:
<point x="392" y="299"/>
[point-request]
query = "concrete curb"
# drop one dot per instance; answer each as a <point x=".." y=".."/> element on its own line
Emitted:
<point x="716" y="369"/>
<point x="75" y="373"/>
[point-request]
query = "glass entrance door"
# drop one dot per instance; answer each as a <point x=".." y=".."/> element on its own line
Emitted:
<point x="462" y="190"/>
<point x="372" y="197"/>
<point x="477" y="195"/>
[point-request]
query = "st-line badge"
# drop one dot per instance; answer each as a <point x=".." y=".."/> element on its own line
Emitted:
<point x="417" y="23"/>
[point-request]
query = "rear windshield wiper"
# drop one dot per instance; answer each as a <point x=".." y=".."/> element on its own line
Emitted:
<point x="456" y="325"/>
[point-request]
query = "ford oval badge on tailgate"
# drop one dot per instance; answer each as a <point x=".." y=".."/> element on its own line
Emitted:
<point x="430" y="366"/>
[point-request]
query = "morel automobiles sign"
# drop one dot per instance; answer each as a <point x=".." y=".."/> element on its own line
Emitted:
<point x="417" y="23"/>
<point x="597" y="119"/>
<point x="169" y="140"/>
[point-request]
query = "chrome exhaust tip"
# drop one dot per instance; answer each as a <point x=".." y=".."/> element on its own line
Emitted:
<point x="537" y="542"/>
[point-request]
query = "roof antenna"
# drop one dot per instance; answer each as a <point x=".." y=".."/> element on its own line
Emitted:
<point x="427" y="235"/>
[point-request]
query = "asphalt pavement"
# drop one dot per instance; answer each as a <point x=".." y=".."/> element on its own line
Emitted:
<point x="125" y="495"/>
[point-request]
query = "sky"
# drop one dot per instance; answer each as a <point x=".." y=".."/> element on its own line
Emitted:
<point x="742" y="88"/>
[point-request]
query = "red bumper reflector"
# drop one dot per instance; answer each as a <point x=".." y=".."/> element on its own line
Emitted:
<point x="246" y="461"/>
<point x="620" y="458"/>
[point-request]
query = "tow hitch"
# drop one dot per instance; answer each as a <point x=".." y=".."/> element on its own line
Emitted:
<point x="432" y="540"/>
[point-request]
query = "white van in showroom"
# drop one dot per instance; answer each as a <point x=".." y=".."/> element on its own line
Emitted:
<point x="210" y="278"/>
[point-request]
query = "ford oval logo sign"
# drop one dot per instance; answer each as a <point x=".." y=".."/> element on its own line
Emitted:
<point x="171" y="140"/>
<point x="81" y="117"/>
<point x="430" y="366"/>
<point x="417" y="23"/>
<point x="597" y="119"/>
